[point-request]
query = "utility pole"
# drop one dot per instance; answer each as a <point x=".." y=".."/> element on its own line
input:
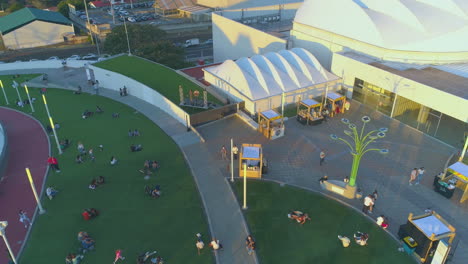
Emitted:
<point x="89" y="24"/>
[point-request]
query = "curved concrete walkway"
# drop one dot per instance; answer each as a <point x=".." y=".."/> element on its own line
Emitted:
<point x="224" y="216"/>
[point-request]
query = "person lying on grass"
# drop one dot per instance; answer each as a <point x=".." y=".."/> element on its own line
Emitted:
<point x="141" y="259"/>
<point x="113" y="160"/>
<point x="153" y="192"/>
<point x="135" y="148"/>
<point x="64" y="144"/>
<point x="87" y="114"/>
<point x="299" y="216"/>
<point x="51" y="192"/>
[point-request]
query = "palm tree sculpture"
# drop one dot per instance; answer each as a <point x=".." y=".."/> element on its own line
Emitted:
<point x="361" y="142"/>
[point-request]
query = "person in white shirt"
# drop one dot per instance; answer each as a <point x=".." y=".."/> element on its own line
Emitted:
<point x="345" y="241"/>
<point x="51" y="192"/>
<point x="420" y="175"/>
<point x="215" y="244"/>
<point x="235" y="151"/>
<point x="368" y="203"/>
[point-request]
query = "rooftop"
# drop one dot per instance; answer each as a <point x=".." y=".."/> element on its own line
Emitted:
<point x="27" y="15"/>
<point x="450" y="78"/>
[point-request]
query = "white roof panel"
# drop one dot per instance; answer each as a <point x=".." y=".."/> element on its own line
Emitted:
<point x="270" y="114"/>
<point x="333" y="95"/>
<point x="251" y="152"/>
<point x="310" y="102"/>
<point x="431" y="225"/>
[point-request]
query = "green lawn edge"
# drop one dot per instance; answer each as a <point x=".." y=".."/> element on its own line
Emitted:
<point x="280" y="238"/>
<point x="162" y="79"/>
<point x="129" y="220"/>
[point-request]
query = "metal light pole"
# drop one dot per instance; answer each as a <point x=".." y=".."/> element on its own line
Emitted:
<point x="3" y="225"/>
<point x="52" y="124"/>
<point x="112" y="11"/>
<point x="462" y="156"/>
<point x="29" y="98"/>
<point x="245" y="187"/>
<point x="15" y="85"/>
<point x="232" y="161"/>
<point x="4" y="94"/>
<point x="361" y="142"/>
<point x="33" y="187"/>
<point x="87" y="18"/>
<point x="128" y="41"/>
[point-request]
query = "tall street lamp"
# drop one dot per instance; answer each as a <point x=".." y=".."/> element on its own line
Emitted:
<point x="359" y="144"/>
<point x="126" y="33"/>
<point x="3" y="225"/>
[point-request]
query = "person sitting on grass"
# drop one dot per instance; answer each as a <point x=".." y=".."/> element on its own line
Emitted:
<point x="113" y="161"/>
<point x="145" y="256"/>
<point x="130" y="133"/>
<point x="49" y="129"/>
<point x="73" y="259"/>
<point x="64" y="144"/>
<point x="136" y="148"/>
<point x="51" y="192"/>
<point x="100" y="180"/>
<point x="78" y="159"/>
<point x="82" y="235"/>
<point x="87" y="244"/>
<point x="115" y="115"/>
<point x="81" y="148"/>
<point x="136" y="133"/>
<point x="87" y="114"/>
<point x="153" y="192"/>
<point x="382" y="221"/>
<point x="99" y="109"/>
<point x="155" y="165"/>
<point x="93" y="184"/>
<point x="361" y="238"/>
<point x="78" y="90"/>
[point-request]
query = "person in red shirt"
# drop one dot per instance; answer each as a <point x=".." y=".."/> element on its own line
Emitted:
<point x="53" y="163"/>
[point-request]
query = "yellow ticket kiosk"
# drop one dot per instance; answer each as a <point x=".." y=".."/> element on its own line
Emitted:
<point x="336" y="100"/>
<point x="252" y="156"/>
<point x="270" y="124"/>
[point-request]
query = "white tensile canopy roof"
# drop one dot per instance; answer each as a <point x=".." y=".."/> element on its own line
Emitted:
<point x="431" y="225"/>
<point x="263" y="76"/>
<point x="408" y="25"/>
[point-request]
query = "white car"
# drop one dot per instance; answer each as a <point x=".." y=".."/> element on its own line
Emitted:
<point x="132" y="19"/>
<point x="74" y="57"/>
<point x="90" y="56"/>
<point x="53" y="58"/>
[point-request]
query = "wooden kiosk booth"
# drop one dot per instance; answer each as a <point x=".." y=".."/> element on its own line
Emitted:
<point x="336" y="100"/>
<point x="252" y="156"/>
<point x="457" y="178"/>
<point x="270" y="124"/>
<point x="427" y="236"/>
<point x="309" y="111"/>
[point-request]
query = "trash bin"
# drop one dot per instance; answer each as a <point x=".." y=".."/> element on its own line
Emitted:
<point x="409" y="245"/>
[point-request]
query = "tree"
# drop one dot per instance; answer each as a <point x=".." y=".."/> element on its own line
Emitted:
<point x="62" y="7"/>
<point x="15" y="7"/>
<point x="146" y="41"/>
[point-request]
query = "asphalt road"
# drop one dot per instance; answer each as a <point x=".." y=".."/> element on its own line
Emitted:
<point x="199" y="51"/>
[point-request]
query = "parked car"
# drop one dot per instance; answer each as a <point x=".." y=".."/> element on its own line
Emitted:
<point x="210" y="41"/>
<point x="90" y="56"/>
<point x="74" y="57"/>
<point x="53" y="58"/>
<point x="132" y="19"/>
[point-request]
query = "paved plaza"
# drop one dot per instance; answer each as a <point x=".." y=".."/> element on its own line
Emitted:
<point x="294" y="159"/>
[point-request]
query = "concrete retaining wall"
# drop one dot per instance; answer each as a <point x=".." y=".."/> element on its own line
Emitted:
<point x="42" y="64"/>
<point x="115" y="81"/>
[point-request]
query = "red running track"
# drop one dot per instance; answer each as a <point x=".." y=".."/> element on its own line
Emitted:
<point x="28" y="146"/>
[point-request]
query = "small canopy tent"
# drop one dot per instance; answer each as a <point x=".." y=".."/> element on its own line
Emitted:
<point x="252" y="157"/>
<point x="336" y="101"/>
<point x="458" y="174"/>
<point x="309" y="111"/>
<point x="432" y="235"/>
<point x="270" y="124"/>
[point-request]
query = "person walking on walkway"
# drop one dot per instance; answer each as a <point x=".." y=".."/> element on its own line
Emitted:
<point x="322" y="157"/>
<point x="53" y="163"/>
<point x="23" y="218"/>
<point x="250" y="242"/>
<point x="215" y="244"/>
<point x="235" y="151"/>
<point x="413" y="175"/>
<point x="420" y="175"/>
<point x="223" y="153"/>
<point x="368" y="203"/>
<point x="200" y="245"/>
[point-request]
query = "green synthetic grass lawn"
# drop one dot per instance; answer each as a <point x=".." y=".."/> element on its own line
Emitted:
<point x="129" y="219"/>
<point x="282" y="240"/>
<point x="164" y="80"/>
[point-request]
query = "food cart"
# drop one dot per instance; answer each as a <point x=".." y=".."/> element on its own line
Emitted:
<point x="457" y="178"/>
<point x="309" y="111"/>
<point x="270" y="124"/>
<point x="252" y="156"/>
<point x="427" y="236"/>
<point x="335" y="100"/>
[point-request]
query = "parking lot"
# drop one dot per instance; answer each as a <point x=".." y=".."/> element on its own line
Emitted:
<point x="143" y="13"/>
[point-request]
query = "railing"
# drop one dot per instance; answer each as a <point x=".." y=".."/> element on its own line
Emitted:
<point x="215" y="114"/>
